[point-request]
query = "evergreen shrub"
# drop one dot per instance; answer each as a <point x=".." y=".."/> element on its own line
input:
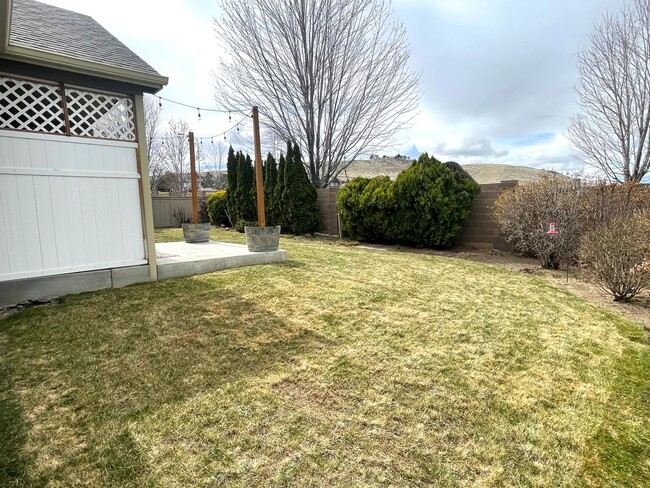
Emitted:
<point x="426" y="205"/>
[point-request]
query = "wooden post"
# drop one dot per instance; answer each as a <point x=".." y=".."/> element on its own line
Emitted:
<point x="195" y="198"/>
<point x="259" y="182"/>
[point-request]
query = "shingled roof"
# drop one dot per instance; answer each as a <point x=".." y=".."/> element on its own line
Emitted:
<point x="45" y="32"/>
<point x="52" y="29"/>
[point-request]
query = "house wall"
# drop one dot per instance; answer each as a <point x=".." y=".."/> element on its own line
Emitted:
<point x="67" y="204"/>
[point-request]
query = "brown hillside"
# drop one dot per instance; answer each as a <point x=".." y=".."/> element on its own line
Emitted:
<point x="482" y="173"/>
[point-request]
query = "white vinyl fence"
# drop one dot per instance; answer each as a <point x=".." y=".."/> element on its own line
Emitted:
<point x="67" y="204"/>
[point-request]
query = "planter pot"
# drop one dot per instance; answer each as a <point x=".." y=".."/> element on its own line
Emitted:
<point x="262" y="239"/>
<point x="194" y="233"/>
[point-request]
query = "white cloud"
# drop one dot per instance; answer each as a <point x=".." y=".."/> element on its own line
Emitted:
<point x="494" y="73"/>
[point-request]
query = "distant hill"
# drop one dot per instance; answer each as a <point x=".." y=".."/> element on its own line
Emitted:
<point x="482" y="173"/>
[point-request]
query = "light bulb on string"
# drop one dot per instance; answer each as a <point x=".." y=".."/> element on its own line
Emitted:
<point x="212" y="140"/>
<point x="199" y="112"/>
<point x="159" y="102"/>
<point x="229" y="116"/>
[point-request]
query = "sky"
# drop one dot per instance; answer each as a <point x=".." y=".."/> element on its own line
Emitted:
<point x="498" y="76"/>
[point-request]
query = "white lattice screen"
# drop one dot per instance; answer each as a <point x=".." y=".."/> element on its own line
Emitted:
<point x="99" y="115"/>
<point x="38" y="107"/>
<point x="26" y="105"/>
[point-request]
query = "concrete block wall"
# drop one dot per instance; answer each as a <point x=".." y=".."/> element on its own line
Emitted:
<point x="327" y="211"/>
<point x="480" y="231"/>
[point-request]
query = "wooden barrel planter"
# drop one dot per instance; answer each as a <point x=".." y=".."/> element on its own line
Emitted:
<point x="195" y="233"/>
<point x="262" y="239"/>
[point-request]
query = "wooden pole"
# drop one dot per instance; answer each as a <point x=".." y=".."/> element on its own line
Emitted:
<point x="259" y="182"/>
<point x="195" y="198"/>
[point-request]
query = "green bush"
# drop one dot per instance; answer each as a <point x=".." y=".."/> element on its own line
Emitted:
<point x="231" y="167"/>
<point x="290" y="198"/>
<point x="366" y="207"/>
<point x="204" y="214"/>
<point x="240" y="195"/>
<point x="270" y="182"/>
<point x="218" y="208"/>
<point x="426" y="205"/>
<point x="299" y="198"/>
<point x="241" y="223"/>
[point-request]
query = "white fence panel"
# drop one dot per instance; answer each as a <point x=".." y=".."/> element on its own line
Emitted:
<point x="67" y="204"/>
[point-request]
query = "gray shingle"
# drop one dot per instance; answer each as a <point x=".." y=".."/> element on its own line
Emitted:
<point x="55" y="30"/>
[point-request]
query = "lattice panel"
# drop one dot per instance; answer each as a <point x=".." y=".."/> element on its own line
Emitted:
<point x="100" y="115"/>
<point x="27" y="105"/>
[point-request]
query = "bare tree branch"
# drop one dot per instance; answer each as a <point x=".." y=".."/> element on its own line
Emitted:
<point x="331" y="75"/>
<point x="175" y="152"/>
<point x="153" y="132"/>
<point x="612" y="134"/>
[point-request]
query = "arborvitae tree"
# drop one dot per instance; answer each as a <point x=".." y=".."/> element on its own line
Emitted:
<point x="300" y="198"/>
<point x="284" y="196"/>
<point x="231" y="191"/>
<point x="270" y="181"/>
<point x="278" y="194"/>
<point x="245" y="194"/>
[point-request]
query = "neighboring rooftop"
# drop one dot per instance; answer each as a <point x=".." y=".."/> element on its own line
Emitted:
<point x="55" y="30"/>
<point x="482" y="173"/>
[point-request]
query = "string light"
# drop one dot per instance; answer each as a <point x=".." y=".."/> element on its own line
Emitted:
<point x="201" y="139"/>
<point x="199" y="112"/>
<point x="205" y="109"/>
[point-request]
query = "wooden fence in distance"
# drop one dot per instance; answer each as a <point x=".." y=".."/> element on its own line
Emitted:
<point x="167" y="209"/>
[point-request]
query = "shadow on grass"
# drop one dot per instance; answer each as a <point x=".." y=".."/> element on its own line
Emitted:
<point x="120" y="355"/>
<point x="13" y="432"/>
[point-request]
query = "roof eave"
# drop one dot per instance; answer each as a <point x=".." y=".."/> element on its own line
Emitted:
<point x="5" y="23"/>
<point x="68" y="63"/>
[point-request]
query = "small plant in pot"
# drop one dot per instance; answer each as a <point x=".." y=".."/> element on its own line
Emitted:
<point x="200" y="231"/>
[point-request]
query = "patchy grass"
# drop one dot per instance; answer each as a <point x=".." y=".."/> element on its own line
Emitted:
<point x="340" y="367"/>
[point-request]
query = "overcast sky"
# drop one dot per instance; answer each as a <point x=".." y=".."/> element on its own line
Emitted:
<point x="498" y="75"/>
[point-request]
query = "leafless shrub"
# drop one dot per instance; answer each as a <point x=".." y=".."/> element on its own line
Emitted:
<point x="606" y="202"/>
<point x="525" y="212"/>
<point x="181" y="215"/>
<point x="617" y="254"/>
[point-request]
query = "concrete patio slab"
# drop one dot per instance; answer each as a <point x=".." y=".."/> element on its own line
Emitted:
<point x="177" y="259"/>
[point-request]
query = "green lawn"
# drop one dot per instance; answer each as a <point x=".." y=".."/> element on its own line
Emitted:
<point x="340" y="367"/>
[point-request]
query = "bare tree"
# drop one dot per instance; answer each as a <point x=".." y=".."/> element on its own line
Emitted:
<point x="612" y="134"/>
<point x="215" y="155"/>
<point x="153" y="133"/>
<point x="331" y="75"/>
<point x="175" y="152"/>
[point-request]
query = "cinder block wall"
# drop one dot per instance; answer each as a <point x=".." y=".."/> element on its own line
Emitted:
<point x="480" y="231"/>
<point x="327" y="211"/>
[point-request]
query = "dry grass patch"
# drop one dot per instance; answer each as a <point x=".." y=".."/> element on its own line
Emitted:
<point x="341" y="367"/>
